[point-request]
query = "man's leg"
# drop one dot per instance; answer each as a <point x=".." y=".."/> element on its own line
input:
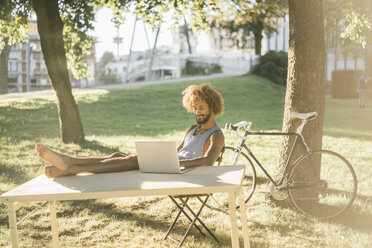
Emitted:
<point x="360" y="98"/>
<point x="63" y="162"/>
<point x="114" y="164"/>
<point x="364" y="96"/>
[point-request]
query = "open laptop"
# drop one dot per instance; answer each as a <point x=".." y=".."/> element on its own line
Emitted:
<point x="158" y="157"/>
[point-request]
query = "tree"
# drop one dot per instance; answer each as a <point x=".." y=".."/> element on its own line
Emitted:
<point x="350" y="21"/>
<point x="63" y="26"/>
<point x="258" y="16"/>
<point x="50" y="27"/>
<point x="358" y="28"/>
<point x="106" y="76"/>
<point x="106" y="58"/>
<point x="4" y="56"/>
<point x="13" y="27"/>
<point x="306" y="69"/>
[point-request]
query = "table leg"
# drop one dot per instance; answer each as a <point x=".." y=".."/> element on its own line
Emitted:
<point x="244" y="220"/>
<point x="54" y="224"/>
<point x="13" y="224"/>
<point x="234" y="225"/>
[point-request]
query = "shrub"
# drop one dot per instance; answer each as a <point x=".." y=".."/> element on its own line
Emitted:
<point x="109" y="78"/>
<point x="198" y="68"/>
<point x="273" y="66"/>
<point x="345" y="83"/>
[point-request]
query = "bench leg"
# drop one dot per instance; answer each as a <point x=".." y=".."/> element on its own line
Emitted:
<point x="54" y="224"/>
<point x="243" y="215"/>
<point x="234" y="224"/>
<point x="13" y="224"/>
<point x="181" y="210"/>
<point x="196" y="216"/>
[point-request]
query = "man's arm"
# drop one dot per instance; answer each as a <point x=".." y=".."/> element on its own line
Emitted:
<point x="217" y="141"/>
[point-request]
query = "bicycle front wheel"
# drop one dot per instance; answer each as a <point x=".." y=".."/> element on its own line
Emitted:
<point x="331" y="194"/>
<point x="231" y="156"/>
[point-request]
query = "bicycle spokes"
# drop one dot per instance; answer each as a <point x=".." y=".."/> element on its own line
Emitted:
<point x="330" y="193"/>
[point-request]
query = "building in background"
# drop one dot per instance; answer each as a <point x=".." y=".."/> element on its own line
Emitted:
<point x="27" y="70"/>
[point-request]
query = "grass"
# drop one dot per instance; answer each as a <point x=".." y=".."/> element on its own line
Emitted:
<point x="114" y="120"/>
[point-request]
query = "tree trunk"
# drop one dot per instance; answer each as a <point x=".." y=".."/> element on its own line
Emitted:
<point x="4" y="57"/>
<point x="187" y="34"/>
<point x="50" y="29"/>
<point x="306" y="70"/>
<point x="257" y="41"/>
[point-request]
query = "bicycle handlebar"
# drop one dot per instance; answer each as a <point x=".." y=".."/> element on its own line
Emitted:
<point x="234" y="128"/>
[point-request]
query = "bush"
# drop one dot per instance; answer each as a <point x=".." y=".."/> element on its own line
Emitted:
<point x="109" y="78"/>
<point x="345" y="83"/>
<point x="273" y="66"/>
<point x="197" y="68"/>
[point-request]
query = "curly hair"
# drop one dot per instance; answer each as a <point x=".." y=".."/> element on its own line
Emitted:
<point x="204" y="92"/>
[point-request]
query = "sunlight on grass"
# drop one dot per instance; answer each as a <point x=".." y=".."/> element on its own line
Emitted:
<point x="114" y="120"/>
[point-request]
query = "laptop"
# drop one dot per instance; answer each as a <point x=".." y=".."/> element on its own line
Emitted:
<point x="158" y="157"/>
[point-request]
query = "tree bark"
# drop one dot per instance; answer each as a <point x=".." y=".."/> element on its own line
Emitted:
<point x="306" y="70"/>
<point x="50" y="29"/>
<point x="257" y="41"/>
<point x="187" y="34"/>
<point x="4" y="57"/>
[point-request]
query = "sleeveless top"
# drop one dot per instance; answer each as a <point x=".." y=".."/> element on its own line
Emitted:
<point x="194" y="145"/>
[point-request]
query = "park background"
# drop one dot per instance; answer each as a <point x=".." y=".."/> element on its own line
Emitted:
<point x="113" y="119"/>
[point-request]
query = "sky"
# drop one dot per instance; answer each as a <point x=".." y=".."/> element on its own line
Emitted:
<point x="105" y="31"/>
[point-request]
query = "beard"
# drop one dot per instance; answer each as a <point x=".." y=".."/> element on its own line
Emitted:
<point x="203" y="120"/>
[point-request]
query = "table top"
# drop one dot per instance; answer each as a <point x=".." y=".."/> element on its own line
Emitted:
<point x="199" y="180"/>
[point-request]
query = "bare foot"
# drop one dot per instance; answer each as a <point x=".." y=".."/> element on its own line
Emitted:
<point x="58" y="160"/>
<point x="52" y="171"/>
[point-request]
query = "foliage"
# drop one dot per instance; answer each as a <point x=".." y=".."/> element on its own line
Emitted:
<point x="357" y="26"/>
<point x="255" y="13"/>
<point x="358" y="20"/>
<point x="14" y="21"/>
<point x="106" y="76"/>
<point x="197" y="68"/>
<point x="109" y="77"/>
<point x="357" y="16"/>
<point x="273" y="66"/>
<point x="77" y="17"/>
<point x="240" y="18"/>
<point x="106" y="58"/>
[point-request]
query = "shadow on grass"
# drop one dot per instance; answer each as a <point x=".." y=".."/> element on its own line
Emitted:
<point x="352" y="218"/>
<point x="357" y="221"/>
<point x="12" y="175"/>
<point x="262" y="180"/>
<point x="112" y="211"/>
<point x="362" y="135"/>
<point x="94" y="145"/>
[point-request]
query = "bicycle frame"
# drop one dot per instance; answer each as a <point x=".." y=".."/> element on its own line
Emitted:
<point x="299" y="139"/>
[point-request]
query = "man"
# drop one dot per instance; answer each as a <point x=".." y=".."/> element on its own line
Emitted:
<point x="201" y="146"/>
<point x="362" y="90"/>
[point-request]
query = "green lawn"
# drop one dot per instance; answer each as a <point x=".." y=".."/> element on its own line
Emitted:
<point x="114" y="120"/>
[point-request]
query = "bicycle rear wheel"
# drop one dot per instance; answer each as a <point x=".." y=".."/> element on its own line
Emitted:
<point x="328" y="197"/>
<point x="231" y="156"/>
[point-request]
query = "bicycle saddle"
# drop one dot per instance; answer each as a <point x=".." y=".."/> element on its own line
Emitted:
<point x="304" y="116"/>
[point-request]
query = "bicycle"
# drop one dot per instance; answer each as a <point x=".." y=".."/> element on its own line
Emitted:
<point x="320" y="184"/>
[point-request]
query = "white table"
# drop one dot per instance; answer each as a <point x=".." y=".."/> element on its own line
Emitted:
<point x="201" y="180"/>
